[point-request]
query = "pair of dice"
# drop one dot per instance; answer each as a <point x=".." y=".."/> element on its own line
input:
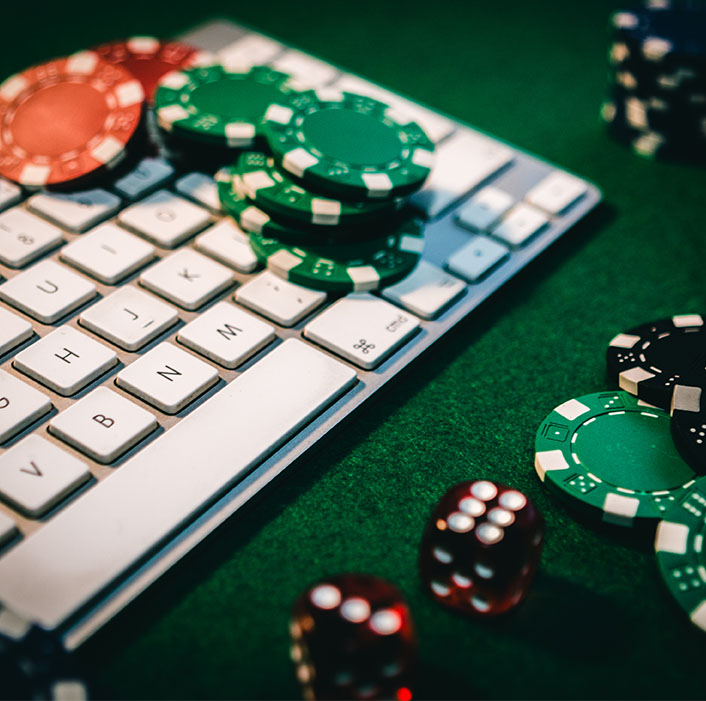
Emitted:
<point x="353" y="636"/>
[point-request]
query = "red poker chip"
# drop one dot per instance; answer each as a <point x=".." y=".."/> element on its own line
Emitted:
<point x="66" y="119"/>
<point x="149" y="58"/>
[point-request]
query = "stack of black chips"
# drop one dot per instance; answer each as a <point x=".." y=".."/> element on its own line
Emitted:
<point x="657" y="90"/>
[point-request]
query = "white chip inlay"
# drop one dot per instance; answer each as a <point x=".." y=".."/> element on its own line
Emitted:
<point x="279" y="114"/>
<point x="572" y="409"/>
<point x="672" y="538"/>
<point x="298" y="160"/>
<point x="377" y="184"/>
<point x="687" y="320"/>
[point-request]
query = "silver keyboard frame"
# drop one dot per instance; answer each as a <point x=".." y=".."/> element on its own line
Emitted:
<point x="443" y="237"/>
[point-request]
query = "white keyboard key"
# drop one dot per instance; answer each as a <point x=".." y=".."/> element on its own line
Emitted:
<point x="149" y="174"/>
<point x="103" y="424"/>
<point x="35" y="474"/>
<point x="76" y="211"/>
<point x="227" y="335"/>
<point x="20" y="405"/>
<point x="477" y="258"/>
<point x="7" y="528"/>
<point x="164" y="218"/>
<point x="13" y="330"/>
<point x="461" y="163"/>
<point x="557" y="192"/>
<point x="47" y="291"/>
<point x="485" y="208"/>
<point x="200" y="188"/>
<point x="283" y="302"/>
<point x="436" y="126"/>
<point x="362" y="329"/>
<point x="167" y="377"/>
<point x="426" y="290"/>
<point x="308" y="72"/>
<point x="65" y="360"/>
<point x="237" y="428"/>
<point x="187" y="278"/>
<point x="108" y="253"/>
<point x="227" y="243"/>
<point x="129" y="318"/>
<point x="24" y="237"/>
<point x="9" y="193"/>
<point x="252" y="50"/>
<point x="521" y="223"/>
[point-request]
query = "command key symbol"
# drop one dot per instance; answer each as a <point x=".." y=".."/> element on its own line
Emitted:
<point x="363" y="346"/>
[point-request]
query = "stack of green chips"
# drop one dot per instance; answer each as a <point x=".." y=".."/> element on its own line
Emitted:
<point x="321" y="189"/>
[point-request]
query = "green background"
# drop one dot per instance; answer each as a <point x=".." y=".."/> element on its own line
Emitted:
<point x="598" y="621"/>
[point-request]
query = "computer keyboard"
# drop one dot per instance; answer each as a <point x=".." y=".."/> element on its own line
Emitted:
<point x="153" y="377"/>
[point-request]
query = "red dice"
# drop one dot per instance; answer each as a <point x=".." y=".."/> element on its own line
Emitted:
<point x="481" y="548"/>
<point x="352" y="638"/>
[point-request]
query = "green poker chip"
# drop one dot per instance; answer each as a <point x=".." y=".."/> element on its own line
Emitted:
<point x="681" y="556"/>
<point x="217" y="106"/>
<point x="369" y="265"/>
<point x="274" y="191"/>
<point x="611" y="456"/>
<point x="350" y="146"/>
<point x="252" y="219"/>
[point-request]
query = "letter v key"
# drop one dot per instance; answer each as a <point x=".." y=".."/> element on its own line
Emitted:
<point x="34" y="471"/>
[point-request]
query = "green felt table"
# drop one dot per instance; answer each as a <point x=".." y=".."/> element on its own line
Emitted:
<point x="598" y="622"/>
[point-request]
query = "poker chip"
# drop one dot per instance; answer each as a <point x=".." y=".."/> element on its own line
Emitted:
<point x="327" y="264"/>
<point x="252" y="219"/>
<point x="349" y="146"/>
<point x="647" y="142"/>
<point x="67" y="119"/>
<point x="654" y="114"/>
<point x="662" y="33"/>
<point x="657" y="81"/>
<point x="680" y="554"/>
<point x="631" y="72"/>
<point x="688" y="411"/>
<point x="149" y="58"/>
<point x="277" y="194"/>
<point x="217" y="106"/>
<point x="38" y="667"/>
<point x="367" y="265"/>
<point x="612" y="457"/>
<point x="649" y="359"/>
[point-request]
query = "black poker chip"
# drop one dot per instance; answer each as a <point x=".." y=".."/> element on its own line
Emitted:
<point x="688" y="411"/>
<point x="657" y="80"/>
<point x="665" y="33"/>
<point x="650" y="359"/>
<point x="38" y="667"/>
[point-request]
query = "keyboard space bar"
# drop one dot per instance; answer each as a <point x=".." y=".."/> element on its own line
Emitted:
<point x="83" y="549"/>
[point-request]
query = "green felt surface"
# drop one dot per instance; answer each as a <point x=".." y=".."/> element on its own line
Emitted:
<point x="598" y="622"/>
